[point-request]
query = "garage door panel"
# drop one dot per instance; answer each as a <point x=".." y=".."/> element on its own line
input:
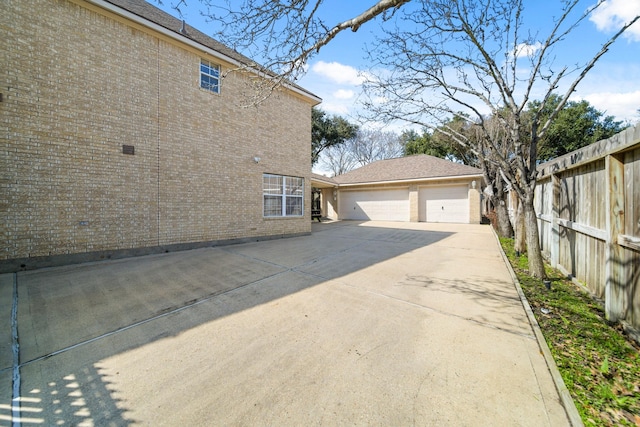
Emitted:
<point x="444" y="204"/>
<point x="376" y="205"/>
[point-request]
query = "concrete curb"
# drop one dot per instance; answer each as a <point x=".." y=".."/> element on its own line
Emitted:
<point x="567" y="401"/>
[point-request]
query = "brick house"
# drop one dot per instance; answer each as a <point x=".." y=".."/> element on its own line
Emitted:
<point x="125" y="131"/>
<point x="415" y="188"/>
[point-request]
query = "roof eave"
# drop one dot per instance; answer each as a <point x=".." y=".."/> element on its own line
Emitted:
<point x="404" y="181"/>
<point x="328" y="183"/>
<point x="186" y="40"/>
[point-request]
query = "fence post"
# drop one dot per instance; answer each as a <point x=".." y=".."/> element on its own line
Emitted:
<point x="554" y="244"/>
<point x="615" y="203"/>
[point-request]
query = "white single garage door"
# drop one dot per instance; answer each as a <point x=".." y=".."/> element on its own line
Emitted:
<point x="376" y="205"/>
<point x="444" y="204"/>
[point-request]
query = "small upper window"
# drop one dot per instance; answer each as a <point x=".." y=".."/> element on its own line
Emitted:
<point x="209" y="76"/>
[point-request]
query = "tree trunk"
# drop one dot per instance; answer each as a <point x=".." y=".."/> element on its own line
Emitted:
<point x="503" y="222"/>
<point x="536" y="263"/>
<point x="519" y="245"/>
<point x="499" y="201"/>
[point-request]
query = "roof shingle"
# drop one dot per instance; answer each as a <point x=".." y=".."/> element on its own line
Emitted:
<point x="417" y="167"/>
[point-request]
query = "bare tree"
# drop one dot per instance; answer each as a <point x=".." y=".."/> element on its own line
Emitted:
<point x="469" y="55"/>
<point x="369" y="145"/>
<point x="338" y="159"/>
<point x="284" y="34"/>
<point x="496" y="189"/>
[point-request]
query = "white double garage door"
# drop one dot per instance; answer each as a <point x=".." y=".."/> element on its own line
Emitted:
<point x="448" y="203"/>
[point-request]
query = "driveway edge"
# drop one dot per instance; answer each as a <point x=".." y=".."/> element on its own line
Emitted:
<point x="567" y="401"/>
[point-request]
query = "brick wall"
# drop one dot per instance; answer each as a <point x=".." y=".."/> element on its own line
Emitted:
<point x="77" y="85"/>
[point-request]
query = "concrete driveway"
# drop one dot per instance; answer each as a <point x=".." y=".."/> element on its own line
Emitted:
<point x="358" y="324"/>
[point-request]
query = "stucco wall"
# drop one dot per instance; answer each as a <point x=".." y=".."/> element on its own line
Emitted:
<point x="77" y="84"/>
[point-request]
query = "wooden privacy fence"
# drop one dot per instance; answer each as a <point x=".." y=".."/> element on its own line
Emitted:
<point x="588" y="206"/>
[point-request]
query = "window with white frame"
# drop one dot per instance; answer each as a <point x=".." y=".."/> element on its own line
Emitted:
<point x="209" y="76"/>
<point x="282" y="195"/>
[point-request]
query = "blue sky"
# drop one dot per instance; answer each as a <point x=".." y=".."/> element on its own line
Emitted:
<point x="613" y="86"/>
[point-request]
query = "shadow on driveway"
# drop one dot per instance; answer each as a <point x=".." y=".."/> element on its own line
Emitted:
<point x="244" y="335"/>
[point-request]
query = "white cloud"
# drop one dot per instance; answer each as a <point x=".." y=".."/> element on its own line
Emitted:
<point x="612" y="14"/>
<point x="338" y="85"/>
<point x="623" y="106"/>
<point x="525" y="50"/>
<point x="336" y="108"/>
<point x="344" y="94"/>
<point x="338" y="73"/>
<point x="613" y="88"/>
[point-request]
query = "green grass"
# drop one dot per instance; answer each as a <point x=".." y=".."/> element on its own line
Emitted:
<point x="598" y="363"/>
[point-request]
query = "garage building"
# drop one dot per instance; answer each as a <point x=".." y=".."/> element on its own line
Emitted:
<point x="414" y="188"/>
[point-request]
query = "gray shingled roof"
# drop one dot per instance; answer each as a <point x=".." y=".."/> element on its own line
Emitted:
<point x="420" y="166"/>
<point x="321" y="181"/>
<point x="151" y="13"/>
<point x="318" y="177"/>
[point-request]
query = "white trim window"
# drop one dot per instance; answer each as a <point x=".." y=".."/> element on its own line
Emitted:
<point x="282" y="196"/>
<point x="209" y="76"/>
